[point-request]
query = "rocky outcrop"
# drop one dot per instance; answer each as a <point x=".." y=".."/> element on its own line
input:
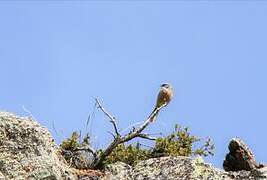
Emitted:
<point x="239" y="157"/>
<point x="27" y="151"/>
<point x="182" y="168"/>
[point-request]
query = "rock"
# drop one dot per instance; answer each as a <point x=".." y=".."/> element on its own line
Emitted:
<point x="79" y="159"/>
<point x="27" y="151"/>
<point x="118" y="170"/>
<point x="239" y="157"/>
<point x="182" y="168"/>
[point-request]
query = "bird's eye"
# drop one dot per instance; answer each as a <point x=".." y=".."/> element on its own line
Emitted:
<point x="165" y="85"/>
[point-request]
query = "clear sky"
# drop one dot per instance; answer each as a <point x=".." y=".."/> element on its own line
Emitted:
<point x="56" y="56"/>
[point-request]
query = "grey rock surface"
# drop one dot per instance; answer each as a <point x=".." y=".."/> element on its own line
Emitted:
<point x="181" y="168"/>
<point x="27" y="151"/>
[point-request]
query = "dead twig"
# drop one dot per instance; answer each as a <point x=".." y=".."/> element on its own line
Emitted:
<point x="112" y="118"/>
<point x="146" y="136"/>
<point x="89" y="119"/>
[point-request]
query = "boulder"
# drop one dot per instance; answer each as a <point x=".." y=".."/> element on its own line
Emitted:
<point x="239" y="157"/>
<point x="173" y="168"/>
<point x="27" y="151"/>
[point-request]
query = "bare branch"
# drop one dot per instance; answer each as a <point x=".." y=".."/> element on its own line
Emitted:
<point x="112" y="134"/>
<point x="146" y="145"/>
<point x="137" y="131"/>
<point x="90" y="119"/>
<point x="146" y="136"/>
<point x="130" y="126"/>
<point x="112" y="118"/>
<point x="55" y="130"/>
<point x="132" y="134"/>
<point x="29" y="112"/>
<point x="153" y="134"/>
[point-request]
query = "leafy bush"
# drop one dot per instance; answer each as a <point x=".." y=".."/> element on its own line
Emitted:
<point x="130" y="154"/>
<point x="75" y="142"/>
<point x="71" y="143"/>
<point x="178" y="143"/>
<point x="70" y="150"/>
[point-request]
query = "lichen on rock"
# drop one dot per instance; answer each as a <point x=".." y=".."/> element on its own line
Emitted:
<point x="27" y="150"/>
<point x="173" y="168"/>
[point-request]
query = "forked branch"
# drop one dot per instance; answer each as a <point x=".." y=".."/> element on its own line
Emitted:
<point x="137" y="132"/>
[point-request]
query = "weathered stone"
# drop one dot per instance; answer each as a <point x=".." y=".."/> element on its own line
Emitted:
<point x="79" y="159"/>
<point x="118" y="170"/>
<point x="182" y="168"/>
<point x="27" y="151"/>
<point x="239" y="157"/>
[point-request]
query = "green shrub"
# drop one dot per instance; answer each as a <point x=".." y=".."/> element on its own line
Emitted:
<point x="70" y="150"/>
<point x="178" y="143"/>
<point x="130" y="154"/>
<point x="71" y="143"/>
<point x="74" y="142"/>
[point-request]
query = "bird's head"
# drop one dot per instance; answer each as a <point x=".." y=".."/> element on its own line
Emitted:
<point x="165" y="85"/>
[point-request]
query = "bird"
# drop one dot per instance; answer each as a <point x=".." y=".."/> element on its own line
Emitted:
<point x="164" y="97"/>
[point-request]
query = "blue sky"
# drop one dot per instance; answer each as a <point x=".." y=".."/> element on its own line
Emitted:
<point x="56" y="56"/>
